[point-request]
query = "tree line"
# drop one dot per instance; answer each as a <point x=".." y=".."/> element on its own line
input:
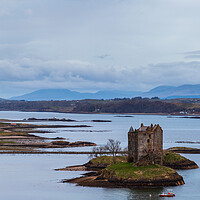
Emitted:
<point x="134" y="105"/>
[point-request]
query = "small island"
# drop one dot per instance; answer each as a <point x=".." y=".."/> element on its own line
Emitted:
<point x="54" y="119"/>
<point x="118" y="169"/>
<point x="50" y="119"/>
<point x="117" y="172"/>
<point x="125" y="175"/>
<point x="146" y="164"/>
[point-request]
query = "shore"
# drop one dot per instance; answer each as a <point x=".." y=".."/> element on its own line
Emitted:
<point x="23" y="151"/>
<point x="16" y="137"/>
<point x="81" y="152"/>
<point x="185" y="150"/>
<point x="143" y="176"/>
<point x="116" y="172"/>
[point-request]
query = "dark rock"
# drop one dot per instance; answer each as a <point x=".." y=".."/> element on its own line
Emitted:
<point x="60" y="142"/>
<point x="101" y="120"/>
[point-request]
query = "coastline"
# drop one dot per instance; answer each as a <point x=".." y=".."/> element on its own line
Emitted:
<point x="103" y="113"/>
<point x="84" y="152"/>
<point x="107" y="178"/>
<point x="16" y="137"/>
<point x="95" y="181"/>
<point x="106" y="172"/>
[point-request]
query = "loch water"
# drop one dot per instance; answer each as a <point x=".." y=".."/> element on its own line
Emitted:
<point x="28" y="177"/>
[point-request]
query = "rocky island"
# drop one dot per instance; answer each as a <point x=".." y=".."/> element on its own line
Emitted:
<point x="123" y="174"/>
<point x="146" y="164"/>
<point x="118" y="166"/>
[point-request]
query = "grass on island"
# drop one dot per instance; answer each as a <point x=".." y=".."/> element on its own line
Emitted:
<point x="170" y="157"/>
<point x="108" y="160"/>
<point x="127" y="171"/>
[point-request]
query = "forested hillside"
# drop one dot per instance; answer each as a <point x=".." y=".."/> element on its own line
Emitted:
<point x="135" y="105"/>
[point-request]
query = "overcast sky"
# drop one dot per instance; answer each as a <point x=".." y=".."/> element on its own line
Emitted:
<point x="90" y="45"/>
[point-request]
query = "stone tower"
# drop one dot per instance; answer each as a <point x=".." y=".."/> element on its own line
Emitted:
<point x="146" y="141"/>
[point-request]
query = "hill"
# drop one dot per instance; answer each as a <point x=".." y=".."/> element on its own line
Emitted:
<point x="164" y="92"/>
<point x="64" y="94"/>
<point x="171" y="92"/>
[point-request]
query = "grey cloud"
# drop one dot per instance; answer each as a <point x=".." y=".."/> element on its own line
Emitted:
<point x="103" y="56"/>
<point x="79" y="29"/>
<point x="4" y="13"/>
<point x="192" y="54"/>
<point x="175" y="73"/>
<point x="51" y="44"/>
<point x="12" y="71"/>
<point x="76" y="74"/>
<point x="197" y="56"/>
<point x="28" y="11"/>
<point x="54" y="70"/>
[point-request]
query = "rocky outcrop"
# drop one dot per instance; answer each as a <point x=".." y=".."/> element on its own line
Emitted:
<point x="107" y="180"/>
<point x="96" y="167"/>
<point x="185" y="150"/>
<point x="184" y="164"/>
<point x="137" y="176"/>
<point x="102" y="162"/>
<point x="53" y="144"/>
<point x="176" y="161"/>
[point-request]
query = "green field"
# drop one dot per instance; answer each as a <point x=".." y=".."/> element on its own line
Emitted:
<point x="127" y="171"/>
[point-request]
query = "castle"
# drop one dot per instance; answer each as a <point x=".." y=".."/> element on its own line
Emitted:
<point x="146" y="141"/>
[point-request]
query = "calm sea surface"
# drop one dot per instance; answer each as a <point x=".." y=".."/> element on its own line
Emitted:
<point x="27" y="177"/>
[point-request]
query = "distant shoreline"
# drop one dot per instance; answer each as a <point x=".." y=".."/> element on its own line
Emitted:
<point x="183" y="150"/>
<point x="103" y="113"/>
<point x="135" y="106"/>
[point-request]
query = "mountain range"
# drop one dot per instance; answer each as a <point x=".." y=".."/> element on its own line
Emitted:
<point x="65" y="94"/>
<point x="164" y="92"/>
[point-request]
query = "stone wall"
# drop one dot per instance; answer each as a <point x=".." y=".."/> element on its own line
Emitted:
<point x="146" y="141"/>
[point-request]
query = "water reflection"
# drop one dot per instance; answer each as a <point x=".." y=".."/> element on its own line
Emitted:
<point x="144" y="193"/>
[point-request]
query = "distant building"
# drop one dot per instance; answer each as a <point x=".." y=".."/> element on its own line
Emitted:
<point x="146" y="141"/>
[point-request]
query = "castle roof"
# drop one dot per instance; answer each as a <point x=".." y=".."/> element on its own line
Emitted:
<point x="148" y="128"/>
<point x="143" y="128"/>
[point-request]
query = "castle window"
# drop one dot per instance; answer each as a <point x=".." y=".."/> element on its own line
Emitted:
<point x="149" y="136"/>
<point x="148" y="140"/>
